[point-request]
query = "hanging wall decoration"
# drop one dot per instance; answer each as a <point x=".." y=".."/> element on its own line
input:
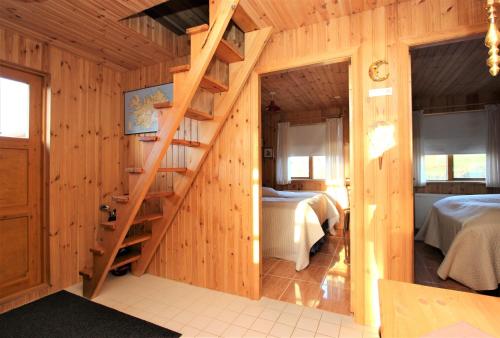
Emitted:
<point x="140" y="115"/>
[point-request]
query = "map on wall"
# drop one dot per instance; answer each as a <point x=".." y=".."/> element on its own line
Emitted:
<point x="140" y="115"/>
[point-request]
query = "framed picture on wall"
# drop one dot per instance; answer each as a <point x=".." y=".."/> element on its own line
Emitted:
<point x="268" y="152"/>
<point x="140" y="115"/>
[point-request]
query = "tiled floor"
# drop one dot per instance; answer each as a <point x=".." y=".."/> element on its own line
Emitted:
<point x="324" y="284"/>
<point x="427" y="261"/>
<point x="199" y="312"/>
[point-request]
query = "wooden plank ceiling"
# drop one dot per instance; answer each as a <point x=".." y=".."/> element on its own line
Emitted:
<point x="452" y="70"/>
<point x="312" y="88"/>
<point x="289" y="14"/>
<point x="91" y="28"/>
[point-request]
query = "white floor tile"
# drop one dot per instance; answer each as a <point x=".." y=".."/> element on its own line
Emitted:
<point x="331" y="317"/>
<point x="244" y="320"/>
<point x="254" y="310"/>
<point x="217" y="327"/>
<point x="270" y="314"/>
<point x="262" y="325"/>
<point x="308" y="324"/>
<point x="200" y="322"/>
<point x="184" y="317"/>
<point x="188" y="331"/>
<point x="289" y="319"/>
<point x="349" y="332"/>
<point x="228" y="316"/>
<point x="312" y="313"/>
<point x="254" y="334"/>
<point x="206" y="335"/>
<point x="281" y="330"/>
<point x="328" y="329"/>
<point x="195" y="311"/>
<point x="302" y="333"/>
<point x="234" y="331"/>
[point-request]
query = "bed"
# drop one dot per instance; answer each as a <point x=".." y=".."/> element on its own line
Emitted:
<point x="467" y="231"/>
<point x="292" y="223"/>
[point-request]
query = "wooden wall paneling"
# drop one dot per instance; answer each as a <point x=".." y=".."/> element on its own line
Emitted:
<point x="84" y="146"/>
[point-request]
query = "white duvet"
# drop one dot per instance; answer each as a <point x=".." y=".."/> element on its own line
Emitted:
<point x="467" y="230"/>
<point x="291" y="223"/>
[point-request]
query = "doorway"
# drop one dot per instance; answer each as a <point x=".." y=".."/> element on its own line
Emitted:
<point x="310" y="102"/>
<point x="454" y="109"/>
<point x="21" y="235"/>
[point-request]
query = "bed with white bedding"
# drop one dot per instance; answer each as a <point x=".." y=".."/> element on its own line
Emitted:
<point x="291" y="223"/>
<point x="467" y="231"/>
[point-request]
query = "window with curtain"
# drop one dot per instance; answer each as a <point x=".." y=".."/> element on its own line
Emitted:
<point x="306" y="151"/>
<point x="454" y="146"/>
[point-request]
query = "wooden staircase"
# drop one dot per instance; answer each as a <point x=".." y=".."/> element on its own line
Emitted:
<point x="207" y="45"/>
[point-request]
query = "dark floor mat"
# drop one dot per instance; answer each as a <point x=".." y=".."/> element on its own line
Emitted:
<point x="64" y="314"/>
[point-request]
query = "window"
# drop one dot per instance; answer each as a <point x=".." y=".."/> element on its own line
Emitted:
<point x="455" y="167"/>
<point x="319" y="167"/>
<point x="436" y="167"/>
<point x="307" y="167"/>
<point x="299" y="166"/>
<point x="14" y="108"/>
<point x="469" y="166"/>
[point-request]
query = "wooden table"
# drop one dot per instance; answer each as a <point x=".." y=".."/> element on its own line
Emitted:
<point x="411" y="310"/>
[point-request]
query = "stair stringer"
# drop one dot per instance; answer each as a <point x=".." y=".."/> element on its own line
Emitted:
<point x="239" y="73"/>
<point x="187" y="88"/>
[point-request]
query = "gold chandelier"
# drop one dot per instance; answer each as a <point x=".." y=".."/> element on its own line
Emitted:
<point x="492" y="40"/>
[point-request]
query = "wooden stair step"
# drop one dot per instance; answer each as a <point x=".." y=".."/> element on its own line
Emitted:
<point x="172" y="170"/>
<point x="97" y="250"/>
<point x="151" y="195"/>
<point x="213" y="85"/>
<point x="197" y="29"/>
<point x="186" y="143"/>
<point x="163" y="105"/>
<point x="148" y="138"/>
<point x="179" y="69"/>
<point x="111" y="225"/>
<point x="198" y="115"/>
<point x="125" y="259"/>
<point x="86" y="273"/>
<point x="161" y="170"/>
<point x="227" y="53"/>
<point x="178" y="142"/>
<point x="207" y="82"/>
<point x="135" y="239"/>
<point x="134" y="170"/>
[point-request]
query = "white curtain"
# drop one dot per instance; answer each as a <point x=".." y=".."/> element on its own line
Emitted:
<point x="334" y="151"/>
<point x="493" y="146"/>
<point x="419" y="178"/>
<point x="282" y="173"/>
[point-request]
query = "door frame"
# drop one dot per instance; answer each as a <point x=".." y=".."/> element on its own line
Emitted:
<point x="45" y="286"/>
<point x="425" y="41"/>
<point x="356" y="141"/>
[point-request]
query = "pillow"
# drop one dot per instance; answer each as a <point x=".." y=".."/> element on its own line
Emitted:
<point x="269" y="192"/>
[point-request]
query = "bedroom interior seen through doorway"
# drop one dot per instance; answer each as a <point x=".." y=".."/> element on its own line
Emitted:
<point x="305" y="186"/>
<point x="455" y="111"/>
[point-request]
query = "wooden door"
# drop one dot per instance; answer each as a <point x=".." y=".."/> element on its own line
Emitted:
<point x="21" y="249"/>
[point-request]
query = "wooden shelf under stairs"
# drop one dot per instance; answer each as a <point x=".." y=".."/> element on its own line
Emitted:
<point x="125" y="259"/>
<point x="160" y="170"/>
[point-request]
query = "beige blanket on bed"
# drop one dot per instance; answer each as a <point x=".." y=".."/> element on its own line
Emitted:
<point x="292" y="225"/>
<point x="467" y="230"/>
